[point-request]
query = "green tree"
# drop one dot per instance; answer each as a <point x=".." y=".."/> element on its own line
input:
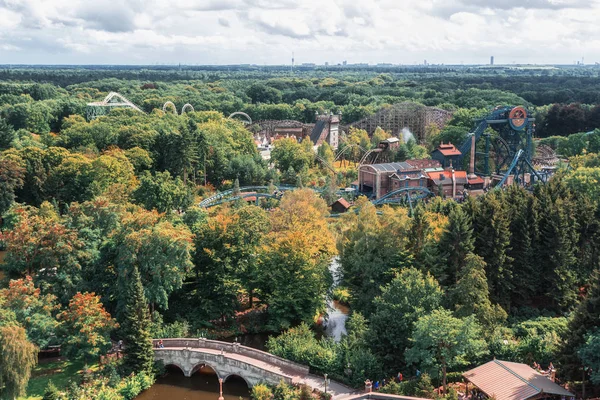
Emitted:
<point x="583" y="321"/>
<point x="51" y="392"/>
<point x="492" y="233"/>
<point x="11" y="179"/>
<point x="260" y="93"/>
<point x="288" y="153"/>
<point x="7" y="134"/>
<point x="558" y="263"/>
<point x="455" y="244"/>
<point x="589" y="354"/>
<point x="442" y="340"/>
<point x="160" y="250"/>
<point x="139" y="355"/>
<point x="226" y="261"/>
<point x="163" y="193"/>
<point x="470" y="294"/>
<point x="411" y="295"/>
<point x="17" y="358"/>
<point x="372" y="248"/>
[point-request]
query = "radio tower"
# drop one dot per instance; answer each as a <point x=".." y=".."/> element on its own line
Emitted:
<point x="292" y="68"/>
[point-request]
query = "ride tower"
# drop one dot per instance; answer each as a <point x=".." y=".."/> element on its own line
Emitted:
<point x="501" y="145"/>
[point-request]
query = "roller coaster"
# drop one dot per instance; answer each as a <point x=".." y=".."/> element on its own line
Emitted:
<point x="405" y="196"/>
<point x="170" y="105"/>
<point x="503" y="144"/>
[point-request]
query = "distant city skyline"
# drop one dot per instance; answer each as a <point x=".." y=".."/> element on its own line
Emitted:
<point x="221" y="32"/>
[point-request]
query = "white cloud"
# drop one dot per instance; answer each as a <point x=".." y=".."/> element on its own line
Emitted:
<point x="267" y="31"/>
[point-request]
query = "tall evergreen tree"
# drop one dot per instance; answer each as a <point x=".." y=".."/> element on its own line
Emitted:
<point x="7" y="134"/>
<point x="524" y="235"/>
<point x="584" y="320"/>
<point x="456" y="242"/>
<point x="470" y="295"/>
<point x="492" y="233"/>
<point x="139" y="355"/>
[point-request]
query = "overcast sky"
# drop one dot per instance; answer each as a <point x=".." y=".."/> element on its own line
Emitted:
<point x="268" y="31"/>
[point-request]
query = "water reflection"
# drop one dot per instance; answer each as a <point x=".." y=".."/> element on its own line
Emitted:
<point x="203" y="385"/>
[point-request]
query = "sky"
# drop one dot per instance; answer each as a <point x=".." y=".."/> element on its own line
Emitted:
<point x="316" y="31"/>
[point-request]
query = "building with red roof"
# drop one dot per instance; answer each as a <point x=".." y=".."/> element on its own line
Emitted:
<point x="447" y="154"/>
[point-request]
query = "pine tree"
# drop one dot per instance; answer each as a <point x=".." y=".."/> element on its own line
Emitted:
<point x="524" y="235"/>
<point x="51" y="392"/>
<point x="7" y="134"/>
<point x="456" y="242"/>
<point x="492" y="233"/>
<point x="558" y="261"/>
<point x="585" y="319"/>
<point x="139" y="355"/>
<point x="470" y="295"/>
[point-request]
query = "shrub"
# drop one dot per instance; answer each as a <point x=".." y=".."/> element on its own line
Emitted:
<point x="51" y="392"/>
<point x="130" y="387"/>
<point x="341" y="294"/>
<point x="261" y="392"/>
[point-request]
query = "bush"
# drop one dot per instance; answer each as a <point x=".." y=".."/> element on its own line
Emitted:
<point x="299" y="344"/>
<point x="51" y="392"/>
<point x="341" y="294"/>
<point x="130" y="388"/>
<point x="454" y="377"/>
<point x="261" y="392"/>
<point x="325" y="396"/>
<point x="283" y="391"/>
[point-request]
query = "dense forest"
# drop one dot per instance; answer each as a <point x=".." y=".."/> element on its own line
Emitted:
<point x="102" y="238"/>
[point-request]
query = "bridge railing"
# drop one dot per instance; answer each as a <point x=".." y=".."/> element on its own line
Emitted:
<point x="235" y="348"/>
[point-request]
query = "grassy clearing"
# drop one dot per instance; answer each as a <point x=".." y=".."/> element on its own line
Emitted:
<point x="61" y="372"/>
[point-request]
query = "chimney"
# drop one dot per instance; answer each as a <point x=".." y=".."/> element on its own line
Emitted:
<point x="453" y="184"/>
<point x="472" y="163"/>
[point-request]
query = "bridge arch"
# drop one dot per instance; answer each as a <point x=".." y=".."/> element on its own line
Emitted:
<point x="238" y="377"/>
<point x="198" y="367"/>
<point x="175" y="366"/>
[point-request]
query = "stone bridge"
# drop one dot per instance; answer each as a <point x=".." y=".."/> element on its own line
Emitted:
<point x="228" y="359"/>
<point x="252" y="365"/>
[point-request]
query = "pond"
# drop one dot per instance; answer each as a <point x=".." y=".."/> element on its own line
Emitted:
<point x="203" y="385"/>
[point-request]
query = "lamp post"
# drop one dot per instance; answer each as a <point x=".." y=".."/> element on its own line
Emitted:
<point x="221" y="389"/>
<point x="325" y="383"/>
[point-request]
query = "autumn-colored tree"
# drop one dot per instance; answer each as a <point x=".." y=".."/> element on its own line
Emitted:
<point x="41" y="246"/>
<point x="18" y="356"/>
<point x="226" y="261"/>
<point x="294" y="263"/>
<point x="32" y="310"/>
<point x="87" y="326"/>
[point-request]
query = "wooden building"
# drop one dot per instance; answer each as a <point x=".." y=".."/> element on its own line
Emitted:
<point x="377" y="180"/>
<point x="341" y="205"/>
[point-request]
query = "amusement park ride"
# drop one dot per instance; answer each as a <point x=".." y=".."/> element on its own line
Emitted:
<point x="500" y="147"/>
<point x="502" y="142"/>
